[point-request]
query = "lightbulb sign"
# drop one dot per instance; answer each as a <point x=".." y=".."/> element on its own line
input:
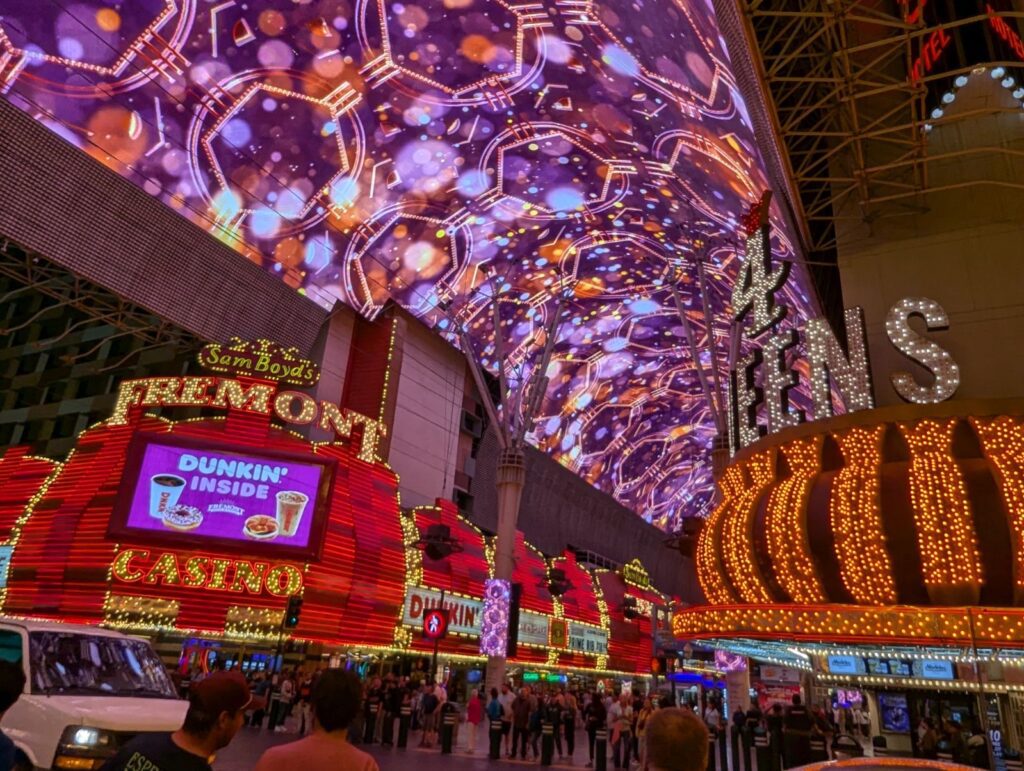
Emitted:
<point x="761" y="379"/>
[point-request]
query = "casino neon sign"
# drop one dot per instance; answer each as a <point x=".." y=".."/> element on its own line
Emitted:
<point x="140" y="566"/>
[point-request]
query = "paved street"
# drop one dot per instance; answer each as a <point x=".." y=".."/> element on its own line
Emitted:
<point x="247" y="747"/>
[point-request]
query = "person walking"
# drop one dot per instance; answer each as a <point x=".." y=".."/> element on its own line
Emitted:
<point x="554" y="715"/>
<point x="796" y="733"/>
<point x="430" y="707"/>
<point x="637" y="704"/>
<point x="305" y="712"/>
<point x="595" y="717"/>
<point x="336" y="699"/>
<point x="371" y="708"/>
<point x="522" y="706"/>
<point x="620" y="720"/>
<point x="641" y="727"/>
<point x="536" y="726"/>
<point x="505" y="699"/>
<point x="474" y="716"/>
<point x="260" y="689"/>
<point x="569" y="715"/>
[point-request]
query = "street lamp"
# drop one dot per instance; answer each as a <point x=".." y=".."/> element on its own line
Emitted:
<point x="558" y="583"/>
<point x="438" y="543"/>
<point x="684" y="541"/>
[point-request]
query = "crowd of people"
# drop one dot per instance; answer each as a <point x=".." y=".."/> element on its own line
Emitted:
<point x="332" y="710"/>
<point x="343" y="711"/>
<point x="944" y="736"/>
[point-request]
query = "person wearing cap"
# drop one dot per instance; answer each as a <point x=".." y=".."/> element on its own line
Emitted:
<point x="216" y="711"/>
<point x="336" y="698"/>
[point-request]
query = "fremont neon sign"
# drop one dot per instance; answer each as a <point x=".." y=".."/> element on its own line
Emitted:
<point x="292" y="407"/>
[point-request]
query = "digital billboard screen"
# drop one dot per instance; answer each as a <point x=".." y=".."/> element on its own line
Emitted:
<point x="198" y="494"/>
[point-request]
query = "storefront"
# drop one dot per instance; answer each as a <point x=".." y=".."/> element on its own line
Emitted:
<point x="198" y="532"/>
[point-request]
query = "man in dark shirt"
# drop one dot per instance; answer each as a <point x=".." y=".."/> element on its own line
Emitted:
<point x="12" y="683"/>
<point x="216" y="711"/>
<point x="797" y="734"/>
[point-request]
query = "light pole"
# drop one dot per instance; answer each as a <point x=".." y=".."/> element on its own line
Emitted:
<point x="512" y="414"/>
<point x="438" y="544"/>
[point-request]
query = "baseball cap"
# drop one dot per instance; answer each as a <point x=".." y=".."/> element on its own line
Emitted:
<point x="224" y="692"/>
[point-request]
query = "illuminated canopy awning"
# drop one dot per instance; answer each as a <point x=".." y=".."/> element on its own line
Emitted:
<point x="433" y="153"/>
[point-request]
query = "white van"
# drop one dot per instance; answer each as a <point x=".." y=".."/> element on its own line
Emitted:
<point x="87" y="692"/>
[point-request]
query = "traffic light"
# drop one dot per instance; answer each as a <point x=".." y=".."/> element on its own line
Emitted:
<point x="292" y="612"/>
<point x="659" y="666"/>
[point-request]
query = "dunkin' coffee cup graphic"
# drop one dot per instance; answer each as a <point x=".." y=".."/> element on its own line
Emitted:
<point x="290" y="505"/>
<point x="164" y="492"/>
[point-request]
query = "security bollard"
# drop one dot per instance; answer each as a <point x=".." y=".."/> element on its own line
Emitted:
<point x="880" y="746"/>
<point x="404" y="717"/>
<point x="547" y="742"/>
<point x="448" y="731"/>
<point x="711" y="752"/>
<point x="817" y="749"/>
<point x="747" y="745"/>
<point x="762" y="751"/>
<point x="495" y="736"/>
<point x="601" y="750"/>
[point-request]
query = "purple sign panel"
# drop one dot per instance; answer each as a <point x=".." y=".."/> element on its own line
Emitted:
<point x="199" y="493"/>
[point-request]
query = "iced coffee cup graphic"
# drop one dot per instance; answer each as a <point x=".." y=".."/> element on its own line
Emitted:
<point x="164" y="492"/>
<point x="290" y="505"/>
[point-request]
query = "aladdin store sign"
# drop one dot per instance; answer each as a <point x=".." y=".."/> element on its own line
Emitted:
<point x="466" y="614"/>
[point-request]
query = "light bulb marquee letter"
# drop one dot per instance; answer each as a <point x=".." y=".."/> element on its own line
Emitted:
<point x="851" y="373"/>
<point x="919" y="349"/>
<point x="757" y="282"/>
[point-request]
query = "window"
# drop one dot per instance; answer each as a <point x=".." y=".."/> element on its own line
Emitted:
<point x="10" y="645"/>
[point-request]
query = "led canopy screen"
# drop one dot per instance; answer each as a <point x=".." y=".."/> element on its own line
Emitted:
<point x="437" y="152"/>
<point x="199" y="494"/>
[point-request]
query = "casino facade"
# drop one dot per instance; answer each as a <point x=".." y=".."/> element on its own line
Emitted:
<point x="743" y="279"/>
<point x="198" y="531"/>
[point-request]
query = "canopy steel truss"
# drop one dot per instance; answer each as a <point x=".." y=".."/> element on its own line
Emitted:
<point x="850" y="120"/>
<point x="33" y="272"/>
<point x="834" y="74"/>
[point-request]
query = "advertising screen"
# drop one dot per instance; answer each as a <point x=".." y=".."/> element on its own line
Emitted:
<point x="895" y="716"/>
<point x="207" y="494"/>
<point x="845" y="665"/>
<point x="935" y="670"/>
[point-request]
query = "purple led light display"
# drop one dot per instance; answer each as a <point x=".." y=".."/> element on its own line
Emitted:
<point x="494" y="628"/>
<point x="432" y="152"/>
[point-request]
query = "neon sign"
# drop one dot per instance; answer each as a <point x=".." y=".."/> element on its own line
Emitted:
<point x="931" y="51"/>
<point x="260" y="358"/>
<point x="764" y="375"/>
<point x="293" y="407"/>
<point x="1004" y="31"/>
<point x="169" y="568"/>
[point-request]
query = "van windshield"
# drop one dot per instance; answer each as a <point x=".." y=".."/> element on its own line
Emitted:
<point x="70" y="663"/>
